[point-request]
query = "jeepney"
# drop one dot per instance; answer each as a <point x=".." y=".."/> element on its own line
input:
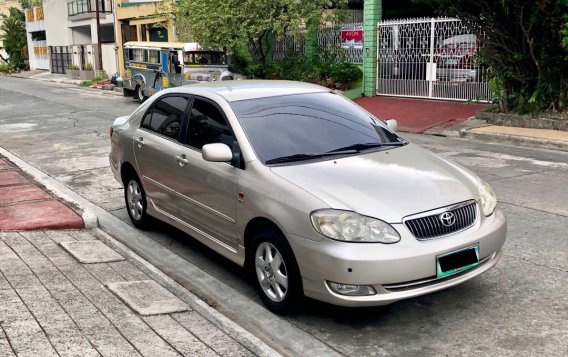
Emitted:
<point x="153" y="66"/>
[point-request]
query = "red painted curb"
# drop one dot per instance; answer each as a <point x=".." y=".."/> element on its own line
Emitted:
<point x="39" y="215"/>
<point x="22" y="193"/>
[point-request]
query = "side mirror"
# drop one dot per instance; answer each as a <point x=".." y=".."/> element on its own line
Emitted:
<point x="217" y="152"/>
<point x="392" y="124"/>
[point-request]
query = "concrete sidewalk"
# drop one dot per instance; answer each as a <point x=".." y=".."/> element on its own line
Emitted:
<point x="80" y="292"/>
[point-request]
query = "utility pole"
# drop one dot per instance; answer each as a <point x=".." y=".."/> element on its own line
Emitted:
<point x="99" y="52"/>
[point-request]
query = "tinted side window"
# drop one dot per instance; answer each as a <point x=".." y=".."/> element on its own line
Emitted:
<point x="165" y="116"/>
<point x="207" y="125"/>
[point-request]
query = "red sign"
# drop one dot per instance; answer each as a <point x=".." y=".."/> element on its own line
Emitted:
<point x="352" y="37"/>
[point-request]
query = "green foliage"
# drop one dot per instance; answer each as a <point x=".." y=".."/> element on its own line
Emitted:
<point x="28" y="4"/>
<point x="255" y="71"/>
<point x="91" y="81"/>
<point x="14" y="38"/>
<point x="294" y="67"/>
<point x="239" y="63"/>
<point x="345" y="72"/>
<point x="326" y="65"/>
<point x="247" y="23"/>
<point x="88" y="67"/>
<point x="73" y="67"/>
<point x="526" y="49"/>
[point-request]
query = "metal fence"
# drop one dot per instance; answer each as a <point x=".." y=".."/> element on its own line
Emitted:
<point x="430" y="58"/>
<point x="329" y="38"/>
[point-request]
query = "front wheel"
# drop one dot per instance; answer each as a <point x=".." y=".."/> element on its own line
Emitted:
<point x="276" y="274"/>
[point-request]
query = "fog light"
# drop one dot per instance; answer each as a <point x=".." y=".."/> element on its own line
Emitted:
<point x="351" y="290"/>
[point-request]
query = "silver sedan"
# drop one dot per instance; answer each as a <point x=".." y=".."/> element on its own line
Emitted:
<point x="307" y="191"/>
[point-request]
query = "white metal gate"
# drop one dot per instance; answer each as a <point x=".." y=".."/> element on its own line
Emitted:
<point x="430" y="58"/>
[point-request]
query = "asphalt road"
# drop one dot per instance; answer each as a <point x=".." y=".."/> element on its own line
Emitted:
<point x="518" y="308"/>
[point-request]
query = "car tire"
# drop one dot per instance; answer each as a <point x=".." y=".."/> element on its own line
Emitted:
<point x="139" y="94"/>
<point x="274" y="271"/>
<point x="135" y="200"/>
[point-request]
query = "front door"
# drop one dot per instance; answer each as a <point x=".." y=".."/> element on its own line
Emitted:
<point x="155" y="145"/>
<point x="207" y="191"/>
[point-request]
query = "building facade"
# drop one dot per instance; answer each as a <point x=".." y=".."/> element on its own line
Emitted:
<point x="66" y="33"/>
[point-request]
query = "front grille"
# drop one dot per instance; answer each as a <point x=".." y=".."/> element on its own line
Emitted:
<point x="431" y="226"/>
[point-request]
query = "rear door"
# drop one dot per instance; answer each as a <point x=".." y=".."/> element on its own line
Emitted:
<point x="156" y="143"/>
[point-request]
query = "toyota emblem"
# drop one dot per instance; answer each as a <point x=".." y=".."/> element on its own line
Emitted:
<point x="448" y="219"/>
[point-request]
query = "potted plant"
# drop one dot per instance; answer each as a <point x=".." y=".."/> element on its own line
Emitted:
<point x="87" y="73"/>
<point x="72" y="71"/>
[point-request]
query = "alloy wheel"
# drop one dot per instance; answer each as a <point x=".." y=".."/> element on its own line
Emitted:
<point x="271" y="272"/>
<point x="135" y="200"/>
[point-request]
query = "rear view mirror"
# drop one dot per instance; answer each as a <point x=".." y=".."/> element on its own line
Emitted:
<point x="392" y="124"/>
<point x="217" y="152"/>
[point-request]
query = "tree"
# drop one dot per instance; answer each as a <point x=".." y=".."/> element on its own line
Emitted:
<point x="235" y="24"/>
<point x="14" y="37"/>
<point x="523" y="50"/>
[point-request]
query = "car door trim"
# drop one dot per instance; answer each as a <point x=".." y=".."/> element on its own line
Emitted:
<point x="191" y="200"/>
<point x="205" y="207"/>
<point x="196" y="230"/>
<point x="159" y="184"/>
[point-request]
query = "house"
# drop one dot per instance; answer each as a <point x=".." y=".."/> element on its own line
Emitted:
<point x="63" y="33"/>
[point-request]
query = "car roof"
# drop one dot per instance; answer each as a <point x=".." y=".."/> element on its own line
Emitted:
<point x="235" y="90"/>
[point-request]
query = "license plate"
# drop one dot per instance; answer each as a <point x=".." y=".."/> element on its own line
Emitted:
<point x="457" y="261"/>
<point x="451" y="61"/>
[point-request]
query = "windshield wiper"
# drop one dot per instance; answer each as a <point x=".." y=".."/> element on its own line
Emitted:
<point x="300" y="157"/>
<point x="363" y="146"/>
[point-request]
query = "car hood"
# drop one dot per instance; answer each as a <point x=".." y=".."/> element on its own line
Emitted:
<point x="388" y="185"/>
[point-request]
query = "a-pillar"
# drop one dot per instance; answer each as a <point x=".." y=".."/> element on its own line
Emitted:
<point x="372" y="12"/>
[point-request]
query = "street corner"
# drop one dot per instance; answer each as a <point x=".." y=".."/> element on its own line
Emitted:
<point x="25" y="206"/>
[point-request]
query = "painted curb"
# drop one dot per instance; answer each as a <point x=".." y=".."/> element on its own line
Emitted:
<point x="89" y="218"/>
<point x="515" y="140"/>
<point x="90" y="210"/>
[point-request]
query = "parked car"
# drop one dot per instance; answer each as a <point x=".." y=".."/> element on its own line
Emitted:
<point x="307" y="191"/>
<point x="455" y="58"/>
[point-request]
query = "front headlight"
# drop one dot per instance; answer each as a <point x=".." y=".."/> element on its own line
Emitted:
<point x="352" y="227"/>
<point x="487" y="198"/>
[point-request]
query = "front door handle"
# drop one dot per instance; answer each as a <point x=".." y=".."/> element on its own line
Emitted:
<point x="139" y="141"/>
<point x="182" y="161"/>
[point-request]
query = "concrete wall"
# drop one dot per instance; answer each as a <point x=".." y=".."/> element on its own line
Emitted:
<point x="109" y="58"/>
<point x="56" y="30"/>
<point x="81" y="35"/>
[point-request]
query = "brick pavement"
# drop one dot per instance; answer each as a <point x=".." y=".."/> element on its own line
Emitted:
<point x="53" y="305"/>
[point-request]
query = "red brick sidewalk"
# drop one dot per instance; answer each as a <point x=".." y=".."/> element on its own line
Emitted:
<point x="25" y="206"/>
<point x="419" y="115"/>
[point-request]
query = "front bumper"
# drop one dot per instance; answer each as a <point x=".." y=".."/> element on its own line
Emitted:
<point x="397" y="271"/>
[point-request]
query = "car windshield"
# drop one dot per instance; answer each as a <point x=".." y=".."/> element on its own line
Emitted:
<point x="308" y="126"/>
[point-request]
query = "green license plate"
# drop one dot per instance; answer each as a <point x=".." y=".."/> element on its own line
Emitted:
<point x="457" y="261"/>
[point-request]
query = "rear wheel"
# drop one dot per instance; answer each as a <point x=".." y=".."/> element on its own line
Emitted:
<point x="275" y="271"/>
<point x="139" y="94"/>
<point x="135" y="199"/>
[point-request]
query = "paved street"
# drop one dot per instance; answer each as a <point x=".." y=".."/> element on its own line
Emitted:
<point x="517" y="308"/>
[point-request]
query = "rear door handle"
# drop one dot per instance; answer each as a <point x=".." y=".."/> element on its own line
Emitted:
<point x="139" y="141"/>
<point x="182" y="161"/>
